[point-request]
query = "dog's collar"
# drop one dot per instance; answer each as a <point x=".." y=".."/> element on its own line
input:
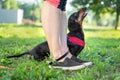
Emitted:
<point x="76" y="41"/>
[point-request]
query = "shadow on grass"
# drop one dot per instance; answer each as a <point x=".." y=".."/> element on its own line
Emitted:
<point x="103" y="42"/>
<point x="40" y="71"/>
<point x="15" y="45"/>
<point x="31" y="42"/>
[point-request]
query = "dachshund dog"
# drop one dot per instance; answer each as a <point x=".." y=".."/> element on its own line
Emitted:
<point x="75" y="38"/>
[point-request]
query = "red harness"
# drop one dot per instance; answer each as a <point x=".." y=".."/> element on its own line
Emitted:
<point x="76" y="41"/>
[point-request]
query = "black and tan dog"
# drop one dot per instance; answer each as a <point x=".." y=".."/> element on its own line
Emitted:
<point x="75" y="40"/>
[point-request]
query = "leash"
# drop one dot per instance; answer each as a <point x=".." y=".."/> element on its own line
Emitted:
<point x="3" y="67"/>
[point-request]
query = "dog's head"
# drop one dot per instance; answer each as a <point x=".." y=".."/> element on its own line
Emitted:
<point x="76" y="19"/>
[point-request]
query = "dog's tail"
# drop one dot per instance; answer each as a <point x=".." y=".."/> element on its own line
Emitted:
<point x="19" y="55"/>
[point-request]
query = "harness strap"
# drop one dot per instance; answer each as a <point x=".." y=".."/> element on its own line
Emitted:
<point x="76" y="41"/>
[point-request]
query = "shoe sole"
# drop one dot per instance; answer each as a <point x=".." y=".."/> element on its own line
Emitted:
<point x="69" y="68"/>
<point x="88" y="64"/>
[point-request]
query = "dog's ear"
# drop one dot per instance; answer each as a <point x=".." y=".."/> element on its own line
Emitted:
<point x="73" y="18"/>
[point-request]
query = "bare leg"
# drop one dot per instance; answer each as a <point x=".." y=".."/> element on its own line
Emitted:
<point x="52" y="18"/>
<point x="63" y="30"/>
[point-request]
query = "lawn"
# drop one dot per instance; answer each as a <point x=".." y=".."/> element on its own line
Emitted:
<point x="102" y="48"/>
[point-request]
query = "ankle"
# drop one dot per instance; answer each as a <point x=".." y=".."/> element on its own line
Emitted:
<point x="67" y="54"/>
<point x="57" y="54"/>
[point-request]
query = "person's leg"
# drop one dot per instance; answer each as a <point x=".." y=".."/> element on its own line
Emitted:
<point x="55" y="33"/>
<point x="63" y="30"/>
<point x="63" y="33"/>
<point x="55" y="28"/>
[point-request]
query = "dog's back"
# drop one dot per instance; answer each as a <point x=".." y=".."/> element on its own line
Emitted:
<point x="39" y="52"/>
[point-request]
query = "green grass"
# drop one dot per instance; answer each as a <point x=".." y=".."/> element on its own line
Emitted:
<point x="102" y="48"/>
